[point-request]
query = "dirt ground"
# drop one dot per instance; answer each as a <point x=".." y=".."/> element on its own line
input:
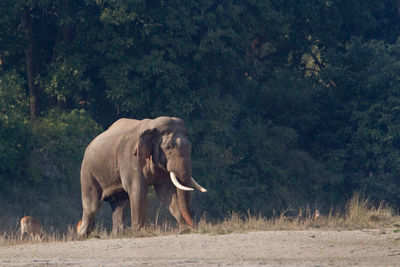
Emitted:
<point x="273" y="248"/>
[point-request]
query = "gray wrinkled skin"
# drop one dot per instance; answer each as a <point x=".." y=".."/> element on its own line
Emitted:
<point x="121" y="163"/>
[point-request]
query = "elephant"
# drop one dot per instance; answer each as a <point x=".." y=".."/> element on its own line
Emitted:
<point x="121" y="163"/>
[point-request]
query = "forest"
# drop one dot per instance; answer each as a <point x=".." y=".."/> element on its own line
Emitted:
<point x="289" y="104"/>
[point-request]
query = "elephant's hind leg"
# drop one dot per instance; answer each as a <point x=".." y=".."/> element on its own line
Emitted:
<point x="119" y="204"/>
<point x="91" y="195"/>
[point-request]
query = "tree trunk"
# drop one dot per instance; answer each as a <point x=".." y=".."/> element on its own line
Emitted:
<point x="30" y="63"/>
<point x="67" y="33"/>
<point x="64" y="36"/>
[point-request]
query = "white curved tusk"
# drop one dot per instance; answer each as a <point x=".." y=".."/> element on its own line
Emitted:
<point x="177" y="184"/>
<point x="198" y="187"/>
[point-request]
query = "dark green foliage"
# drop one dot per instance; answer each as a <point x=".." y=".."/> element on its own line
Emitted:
<point x="60" y="139"/>
<point x="363" y="110"/>
<point x="14" y="130"/>
<point x="288" y="103"/>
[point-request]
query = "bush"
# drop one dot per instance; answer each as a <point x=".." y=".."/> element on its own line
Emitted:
<point x="47" y="185"/>
<point x="14" y="130"/>
<point x="60" y="139"/>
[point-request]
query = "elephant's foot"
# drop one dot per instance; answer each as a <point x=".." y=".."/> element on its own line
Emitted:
<point x="81" y="237"/>
<point x="120" y="232"/>
<point x="118" y="228"/>
<point x="138" y="229"/>
<point x="184" y="229"/>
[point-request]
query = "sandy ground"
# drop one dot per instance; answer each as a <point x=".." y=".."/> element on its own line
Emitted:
<point x="274" y="248"/>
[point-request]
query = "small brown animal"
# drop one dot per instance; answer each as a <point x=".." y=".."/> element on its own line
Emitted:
<point x="78" y="226"/>
<point x="316" y="216"/>
<point x="31" y="226"/>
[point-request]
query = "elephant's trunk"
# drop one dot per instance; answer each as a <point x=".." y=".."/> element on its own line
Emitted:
<point x="181" y="172"/>
<point x="183" y="199"/>
<point x="184" y="206"/>
<point x="183" y="193"/>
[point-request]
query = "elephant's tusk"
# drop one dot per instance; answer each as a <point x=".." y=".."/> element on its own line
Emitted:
<point x="198" y="187"/>
<point x="177" y="184"/>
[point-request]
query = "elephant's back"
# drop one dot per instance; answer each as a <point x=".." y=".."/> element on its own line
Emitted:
<point x="121" y="135"/>
<point x="121" y="127"/>
<point x="102" y="156"/>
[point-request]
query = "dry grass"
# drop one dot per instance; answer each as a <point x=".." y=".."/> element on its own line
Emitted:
<point x="360" y="213"/>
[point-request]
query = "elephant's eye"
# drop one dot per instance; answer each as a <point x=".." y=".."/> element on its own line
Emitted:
<point x="171" y="145"/>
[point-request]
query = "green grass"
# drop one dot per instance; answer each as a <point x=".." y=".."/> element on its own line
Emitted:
<point x="360" y="213"/>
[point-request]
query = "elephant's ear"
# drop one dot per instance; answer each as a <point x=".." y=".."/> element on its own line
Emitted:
<point x="144" y="144"/>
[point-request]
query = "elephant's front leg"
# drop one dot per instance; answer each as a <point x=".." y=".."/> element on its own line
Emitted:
<point x="138" y="202"/>
<point x="90" y="202"/>
<point x="166" y="192"/>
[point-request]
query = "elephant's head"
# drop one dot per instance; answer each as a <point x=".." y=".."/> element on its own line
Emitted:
<point x="165" y="141"/>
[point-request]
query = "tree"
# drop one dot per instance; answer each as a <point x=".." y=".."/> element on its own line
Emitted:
<point x="288" y="103"/>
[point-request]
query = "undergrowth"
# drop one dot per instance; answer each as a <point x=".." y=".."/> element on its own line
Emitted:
<point x="360" y="213"/>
